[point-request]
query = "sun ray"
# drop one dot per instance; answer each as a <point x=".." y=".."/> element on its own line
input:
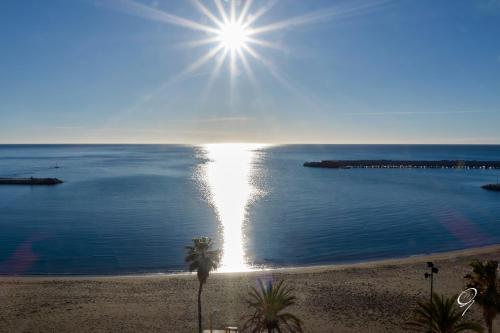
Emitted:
<point x="215" y="72"/>
<point x="281" y="79"/>
<point x="264" y="43"/>
<point x="252" y="52"/>
<point x="138" y="9"/>
<point x="272" y="69"/>
<point x="232" y="6"/>
<point x="222" y="11"/>
<point x="244" y="11"/>
<point x="232" y="75"/>
<point x="263" y="10"/>
<point x="199" y="42"/>
<point x="203" y="9"/>
<point x="233" y="62"/>
<point x="202" y="60"/>
<point x="247" y="68"/>
<point x="318" y="16"/>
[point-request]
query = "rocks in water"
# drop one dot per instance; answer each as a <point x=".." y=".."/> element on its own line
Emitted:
<point x="396" y="164"/>
<point x="30" y="181"/>
<point x="492" y="187"/>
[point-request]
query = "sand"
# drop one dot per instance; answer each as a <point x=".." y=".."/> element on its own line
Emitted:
<point x="369" y="297"/>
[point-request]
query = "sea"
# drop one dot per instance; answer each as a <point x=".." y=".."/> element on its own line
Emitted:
<point x="132" y="209"/>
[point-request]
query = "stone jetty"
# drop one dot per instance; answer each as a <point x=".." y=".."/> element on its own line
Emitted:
<point x="30" y="181"/>
<point x="492" y="187"/>
<point x="397" y="164"/>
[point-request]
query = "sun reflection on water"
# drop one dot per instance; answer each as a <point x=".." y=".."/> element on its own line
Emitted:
<point x="227" y="177"/>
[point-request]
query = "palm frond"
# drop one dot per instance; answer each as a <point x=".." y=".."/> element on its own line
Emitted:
<point x="484" y="279"/>
<point x="201" y="258"/>
<point x="441" y="316"/>
<point x="468" y="326"/>
<point x="268" y="300"/>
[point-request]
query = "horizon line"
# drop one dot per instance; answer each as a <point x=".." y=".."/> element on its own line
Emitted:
<point x="245" y="142"/>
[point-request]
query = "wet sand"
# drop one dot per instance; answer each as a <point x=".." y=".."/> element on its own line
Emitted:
<point x="368" y="297"/>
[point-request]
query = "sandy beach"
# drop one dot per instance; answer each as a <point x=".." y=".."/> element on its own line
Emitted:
<point x="368" y="297"/>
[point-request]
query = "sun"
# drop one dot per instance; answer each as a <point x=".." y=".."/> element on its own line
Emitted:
<point x="233" y="33"/>
<point x="233" y="36"/>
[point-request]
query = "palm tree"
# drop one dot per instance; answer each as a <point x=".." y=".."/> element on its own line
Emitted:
<point x="484" y="279"/>
<point x="268" y="304"/>
<point x="441" y="316"/>
<point x="202" y="259"/>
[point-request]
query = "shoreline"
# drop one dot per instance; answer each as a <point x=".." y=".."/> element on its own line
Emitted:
<point x="376" y="296"/>
<point x="416" y="258"/>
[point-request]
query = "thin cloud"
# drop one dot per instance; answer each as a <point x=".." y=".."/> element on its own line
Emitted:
<point x="404" y="113"/>
<point x="221" y="120"/>
<point x="152" y="130"/>
<point x="67" y="127"/>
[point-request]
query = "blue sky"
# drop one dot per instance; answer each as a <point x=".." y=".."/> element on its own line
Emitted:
<point x="98" y="71"/>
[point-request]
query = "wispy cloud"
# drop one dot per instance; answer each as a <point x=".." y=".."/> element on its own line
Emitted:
<point x="417" y="113"/>
<point x="211" y="120"/>
<point x="221" y="120"/>
<point x="67" y="127"/>
<point x="99" y="129"/>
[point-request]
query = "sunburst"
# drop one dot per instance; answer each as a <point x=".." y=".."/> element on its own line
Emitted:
<point x="233" y="36"/>
<point x="234" y="32"/>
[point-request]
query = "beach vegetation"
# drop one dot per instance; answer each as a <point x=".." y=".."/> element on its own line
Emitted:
<point x="484" y="278"/>
<point x="202" y="259"/>
<point x="269" y="303"/>
<point x="441" y="316"/>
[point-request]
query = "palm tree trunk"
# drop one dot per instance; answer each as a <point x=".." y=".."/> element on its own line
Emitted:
<point x="488" y="318"/>
<point x="200" y="330"/>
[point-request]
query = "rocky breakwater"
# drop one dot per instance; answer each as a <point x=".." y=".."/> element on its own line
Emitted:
<point x="492" y="187"/>
<point x="30" y="181"/>
<point x="396" y="164"/>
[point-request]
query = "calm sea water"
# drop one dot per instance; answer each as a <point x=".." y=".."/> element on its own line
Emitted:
<point x="133" y="208"/>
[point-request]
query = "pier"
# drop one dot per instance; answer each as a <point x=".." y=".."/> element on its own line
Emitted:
<point x="403" y="164"/>
<point x="30" y="181"/>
